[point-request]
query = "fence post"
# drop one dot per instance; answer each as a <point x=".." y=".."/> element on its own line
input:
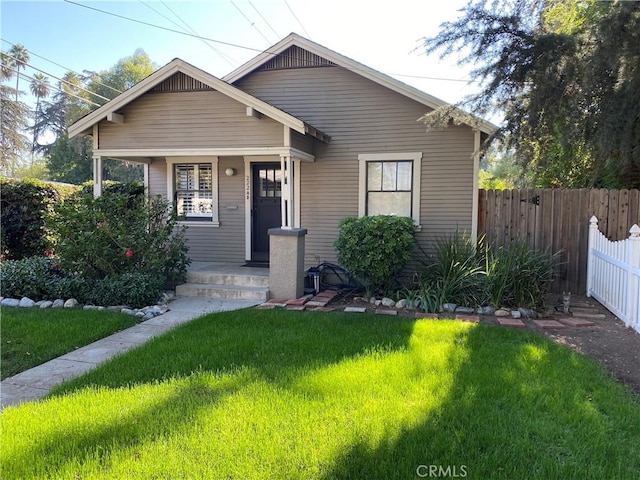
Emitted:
<point x="593" y="229"/>
<point x="634" y="263"/>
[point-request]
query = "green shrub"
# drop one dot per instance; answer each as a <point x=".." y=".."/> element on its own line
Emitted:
<point x="453" y="274"/>
<point x="118" y="233"/>
<point x="24" y="204"/>
<point x="470" y="274"/>
<point x="36" y="277"/>
<point x="134" y="289"/>
<point x="517" y="276"/>
<point x="374" y="249"/>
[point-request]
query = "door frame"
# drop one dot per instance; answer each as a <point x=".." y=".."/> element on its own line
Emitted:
<point x="248" y="195"/>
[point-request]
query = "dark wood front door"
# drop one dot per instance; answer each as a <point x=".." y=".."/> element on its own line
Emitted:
<point x="267" y="198"/>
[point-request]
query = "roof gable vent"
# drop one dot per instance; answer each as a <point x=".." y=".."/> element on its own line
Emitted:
<point x="180" y="82"/>
<point x="296" y="57"/>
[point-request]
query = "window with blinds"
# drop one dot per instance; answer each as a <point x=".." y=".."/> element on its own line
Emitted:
<point x="194" y="191"/>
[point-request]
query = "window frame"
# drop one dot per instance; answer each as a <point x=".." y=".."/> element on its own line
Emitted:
<point x="211" y="220"/>
<point x="365" y="158"/>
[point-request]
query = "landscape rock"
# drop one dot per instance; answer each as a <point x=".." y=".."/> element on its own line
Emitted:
<point x="527" y="312"/>
<point x="377" y="303"/>
<point x="116" y="308"/>
<point x="148" y="316"/>
<point x="26" y="302"/>
<point x="501" y="313"/>
<point x="516" y="313"/>
<point x="46" y="304"/>
<point x="449" y="307"/>
<point x="464" y="310"/>
<point x="486" y="310"/>
<point x="39" y="303"/>
<point x="10" y="302"/>
<point x="59" y="303"/>
<point x="402" y="303"/>
<point x="90" y="307"/>
<point x="139" y="314"/>
<point x="127" y="311"/>
<point x="373" y="300"/>
<point x="388" y="302"/>
<point x="71" y="303"/>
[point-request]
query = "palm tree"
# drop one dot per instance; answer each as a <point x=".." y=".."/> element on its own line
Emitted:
<point x="20" y="59"/>
<point x="40" y="89"/>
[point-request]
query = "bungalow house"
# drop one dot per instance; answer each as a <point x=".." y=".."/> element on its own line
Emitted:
<point x="298" y="137"/>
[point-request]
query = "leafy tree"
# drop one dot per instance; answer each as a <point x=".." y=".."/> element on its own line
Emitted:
<point x="13" y="119"/>
<point x="70" y="159"/>
<point x="566" y="75"/>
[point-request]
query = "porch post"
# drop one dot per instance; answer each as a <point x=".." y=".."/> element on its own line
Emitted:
<point x="288" y="196"/>
<point x="286" y="262"/>
<point x="97" y="176"/>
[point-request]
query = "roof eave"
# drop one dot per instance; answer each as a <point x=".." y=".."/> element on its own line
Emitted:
<point x="385" y="80"/>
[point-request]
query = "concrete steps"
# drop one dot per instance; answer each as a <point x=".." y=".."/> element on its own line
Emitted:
<point x="225" y="285"/>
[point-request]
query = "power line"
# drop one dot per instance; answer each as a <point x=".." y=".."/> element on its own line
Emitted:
<point x="224" y="57"/>
<point x="164" y="28"/>
<point x="264" y="19"/>
<point x="62" y="66"/>
<point x="60" y="79"/>
<point x="297" y="19"/>
<point x="234" y="44"/>
<point x="253" y="24"/>
<point x="27" y="77"/>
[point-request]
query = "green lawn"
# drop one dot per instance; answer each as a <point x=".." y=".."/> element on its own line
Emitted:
<point x="260" y="394"/>
<point x="31" y="336"/>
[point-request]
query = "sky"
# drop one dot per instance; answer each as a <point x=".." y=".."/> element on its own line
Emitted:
<point x="384" y="35"/>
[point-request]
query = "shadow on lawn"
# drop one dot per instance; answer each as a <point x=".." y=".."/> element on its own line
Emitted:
<point x="521" y="418"/>
<point x="274" y="345"/>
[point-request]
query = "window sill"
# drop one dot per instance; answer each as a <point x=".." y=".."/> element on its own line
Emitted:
<point x="188" y="223"/>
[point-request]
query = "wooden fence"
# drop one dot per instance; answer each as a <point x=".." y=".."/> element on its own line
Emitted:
<point x="558" y="220"/>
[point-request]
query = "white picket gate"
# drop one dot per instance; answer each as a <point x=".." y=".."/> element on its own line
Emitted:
<point x="613" y="273"/>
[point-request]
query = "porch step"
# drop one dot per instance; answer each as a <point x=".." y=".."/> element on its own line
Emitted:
<point x="228" y="279"/>
<point x="238" y="292"/>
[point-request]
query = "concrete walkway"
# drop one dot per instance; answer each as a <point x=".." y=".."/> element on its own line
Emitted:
<point x="35" y="383"/>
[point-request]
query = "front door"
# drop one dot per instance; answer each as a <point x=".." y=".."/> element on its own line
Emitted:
<point x="267" y="198"/>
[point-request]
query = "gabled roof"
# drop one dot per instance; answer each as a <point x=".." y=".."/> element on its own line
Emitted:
<point x="85" y="123"/>
<point x="402" y="88"/>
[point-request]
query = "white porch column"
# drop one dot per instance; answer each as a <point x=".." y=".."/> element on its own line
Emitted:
<point x="288" y="191"/>
<point x="97" y="176"/>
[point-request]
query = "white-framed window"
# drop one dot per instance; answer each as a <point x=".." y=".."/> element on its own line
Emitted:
<point x="192" y="184"/>
<point x="390" y="184"/>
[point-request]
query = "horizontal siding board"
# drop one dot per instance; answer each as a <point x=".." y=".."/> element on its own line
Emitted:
<point x="363" y="117"/>
<point x="188" y="119"/>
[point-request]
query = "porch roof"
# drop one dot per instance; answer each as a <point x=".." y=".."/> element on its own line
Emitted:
<point x="108" y="111"/>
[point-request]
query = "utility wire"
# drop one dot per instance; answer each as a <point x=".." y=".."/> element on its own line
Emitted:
<point x="231" y="61"/>
<point x="297" y="19"/>
<point x="264" y="19"/>
<point x="253" y="24"/>
<point x="234" y="44"/>
<point x="62" y="66"/>
<point x="222" y="56"/>
<point x="27" y="77"/>
<point x="60" y="79"/>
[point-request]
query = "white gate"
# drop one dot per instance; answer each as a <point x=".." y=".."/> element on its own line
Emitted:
<point x="613" y="273"/>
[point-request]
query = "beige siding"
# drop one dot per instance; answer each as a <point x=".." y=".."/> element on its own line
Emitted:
<point x="213" y="244"/>
<point x="363" y="117"/>
<point x="188" y="119"/>
<point x="158" y="177"/>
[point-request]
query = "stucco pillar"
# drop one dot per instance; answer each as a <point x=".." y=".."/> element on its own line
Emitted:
<point x="286" y="262"/>
<point x="97" y="176"/>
